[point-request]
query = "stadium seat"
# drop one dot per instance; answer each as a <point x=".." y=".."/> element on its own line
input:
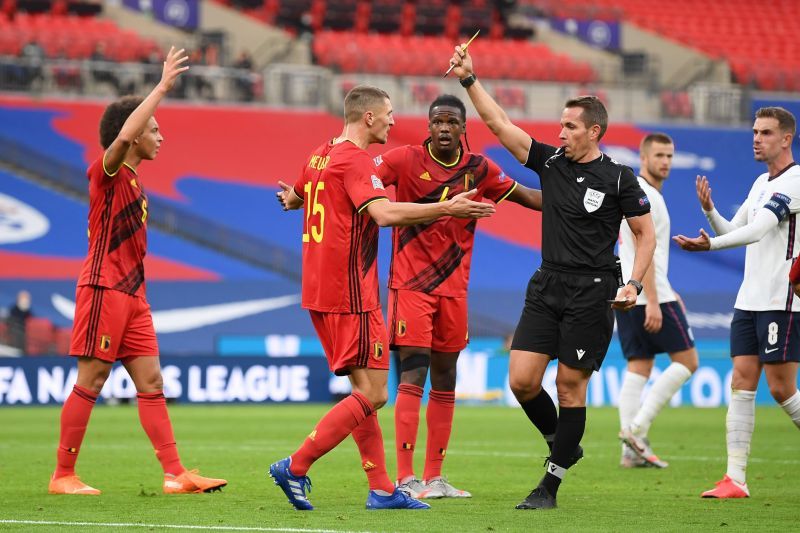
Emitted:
<point x="724" y="29"/>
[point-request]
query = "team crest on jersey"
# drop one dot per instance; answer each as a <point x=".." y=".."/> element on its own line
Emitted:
<point x="425" y="176"/>
<point x="376" y="182"/>
<point x="592" y="200"/>
<point x="401" y="328"/>
<point x="469" y="181"/>
<point x="105" y="343"/>
<point x="377" y="351"/>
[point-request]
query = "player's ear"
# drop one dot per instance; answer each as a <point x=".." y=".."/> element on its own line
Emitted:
<point x="369" y="117"/>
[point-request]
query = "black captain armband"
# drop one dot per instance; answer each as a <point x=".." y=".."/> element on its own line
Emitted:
<point x="468" y="81"/>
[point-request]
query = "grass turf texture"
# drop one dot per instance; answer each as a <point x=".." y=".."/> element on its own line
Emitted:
<point x="495" y="453"/>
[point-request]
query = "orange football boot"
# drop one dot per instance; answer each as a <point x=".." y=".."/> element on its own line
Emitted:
<point x="71" y="485"/>
<point x="191" y="482"/>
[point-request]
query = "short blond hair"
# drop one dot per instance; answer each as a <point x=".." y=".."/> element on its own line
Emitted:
<point x="360" y="99"/>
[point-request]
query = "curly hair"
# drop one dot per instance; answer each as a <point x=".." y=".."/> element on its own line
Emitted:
<point x="115" y="116"/>
<point x="449" y="100"/>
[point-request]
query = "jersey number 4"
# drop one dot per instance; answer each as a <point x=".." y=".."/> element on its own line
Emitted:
<point x="315" y="208"/>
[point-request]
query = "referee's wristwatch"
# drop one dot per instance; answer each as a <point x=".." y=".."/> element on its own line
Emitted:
<point x="638" y="286"/>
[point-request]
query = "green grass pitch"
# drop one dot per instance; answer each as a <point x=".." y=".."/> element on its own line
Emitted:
<point x="494" y="453"/>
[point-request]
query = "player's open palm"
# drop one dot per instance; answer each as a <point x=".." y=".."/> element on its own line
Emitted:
<point x="173" y="67"/>
<point x="704" y="193"/>
<point x="461" y="206"/>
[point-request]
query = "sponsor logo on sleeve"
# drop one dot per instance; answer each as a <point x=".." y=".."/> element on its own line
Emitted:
<point x="376" y="182"/>
<point x="378" y="160"/>
<point x="644" y="200"/>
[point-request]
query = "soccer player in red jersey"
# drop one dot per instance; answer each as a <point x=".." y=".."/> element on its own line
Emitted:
<point x="428" y="283"/>
<point x="112" y="317"/>
<point x="344" y="203"/>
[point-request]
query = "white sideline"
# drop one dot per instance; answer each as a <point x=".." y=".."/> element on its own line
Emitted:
<point x="171" y="526"/>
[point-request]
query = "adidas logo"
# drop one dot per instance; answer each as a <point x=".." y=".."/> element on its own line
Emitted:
<point x="425" y="176"/>
<point x="580" y="354"/>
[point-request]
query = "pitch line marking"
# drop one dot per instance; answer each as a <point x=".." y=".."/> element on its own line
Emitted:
<point x="171" y="526"/>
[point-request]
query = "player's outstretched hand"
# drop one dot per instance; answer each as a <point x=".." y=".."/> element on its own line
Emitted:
<point x="287" y="198"/>
<point x="697" y="244"/>
<point x="173" y="67"/>
<point x="462" y="61"/>
<point x="625" y="299"/>
<point x="461" y="206"/>
<point x="704" y="193"/>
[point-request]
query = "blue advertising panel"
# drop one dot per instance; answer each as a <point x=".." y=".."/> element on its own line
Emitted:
<point x="602" y="34"/>
<point x="49" y="380"/>
<point x="184" y="14"/>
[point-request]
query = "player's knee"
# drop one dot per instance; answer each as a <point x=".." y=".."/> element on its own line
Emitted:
<point x="782" y="391"/>
<point x="444" y="379"/>
<point x="523" y="389"/>
<point x="378" y="398"/>
<point x="414" y="369"/>
<point x="150" y="383"/>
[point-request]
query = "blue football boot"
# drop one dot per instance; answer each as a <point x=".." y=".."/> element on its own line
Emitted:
<point x="294" y="487"/>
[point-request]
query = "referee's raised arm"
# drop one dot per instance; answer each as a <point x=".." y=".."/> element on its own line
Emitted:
<point x="509" y="134"/>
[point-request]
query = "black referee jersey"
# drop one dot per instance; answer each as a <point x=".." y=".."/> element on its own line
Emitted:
<point x="582" y="207"/>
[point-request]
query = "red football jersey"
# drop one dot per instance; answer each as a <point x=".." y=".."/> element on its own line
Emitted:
<point x="434" y="258"/>
<point x="117" y="231"/>
<point x="340" y="240"/>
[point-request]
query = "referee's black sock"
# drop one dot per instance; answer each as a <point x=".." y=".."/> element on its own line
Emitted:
<point x="542" y="413"/>
<point x="571" y="424"/>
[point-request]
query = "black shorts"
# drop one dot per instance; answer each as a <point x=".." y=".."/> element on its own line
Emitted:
<point x="772" y="335"/>
<point x="674" y="335"/>
<point x="566" y="316"/>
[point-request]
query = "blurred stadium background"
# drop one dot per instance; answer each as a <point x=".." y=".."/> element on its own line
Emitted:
<point x="266" y="86"/>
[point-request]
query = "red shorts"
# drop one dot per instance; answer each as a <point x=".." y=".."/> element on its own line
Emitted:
<point x="111" y="325"/>
<point x="352" y="340"/>
<point x="428" y="321"/>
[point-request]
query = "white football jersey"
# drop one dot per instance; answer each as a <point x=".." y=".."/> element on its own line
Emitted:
<point x="766" y="286"/>
<point x="658" y="210"/>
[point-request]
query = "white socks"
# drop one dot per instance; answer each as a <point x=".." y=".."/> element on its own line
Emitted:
<point x="792" y="408"/>
<point x="662" y="391"/>
<point x="630" y="396"/>
<point x="739" y="425"/>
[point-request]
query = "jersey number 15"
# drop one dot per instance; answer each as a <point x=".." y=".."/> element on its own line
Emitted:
<point x="314" y="208"/>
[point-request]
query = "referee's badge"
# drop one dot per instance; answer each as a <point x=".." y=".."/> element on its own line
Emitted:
<point x="592" y="200"/>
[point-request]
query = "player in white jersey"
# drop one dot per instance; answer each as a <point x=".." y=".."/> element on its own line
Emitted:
<point x="765" y="331"/>
<point x="658" y="322"/>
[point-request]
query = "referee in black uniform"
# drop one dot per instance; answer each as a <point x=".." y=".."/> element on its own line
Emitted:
<point x="568" y="315"/>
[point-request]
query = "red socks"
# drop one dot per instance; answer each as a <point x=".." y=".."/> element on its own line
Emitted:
<point x="74" y="419"/>
<point x="155" y="421"/>
<point x="406" y="424"/>
<point x="334" y="427"/>
<point x="440" y="422"/>
<point x="369" y="439"/>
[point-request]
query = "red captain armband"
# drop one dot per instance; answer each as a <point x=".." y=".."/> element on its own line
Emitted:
<point x="794" y="273"/>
